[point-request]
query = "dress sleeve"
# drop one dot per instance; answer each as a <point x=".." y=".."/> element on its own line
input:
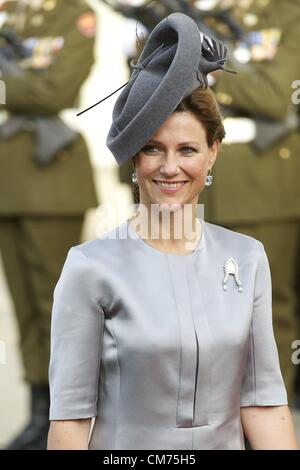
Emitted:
<point x="262" y="384"/>
<point x="76" y="340"/>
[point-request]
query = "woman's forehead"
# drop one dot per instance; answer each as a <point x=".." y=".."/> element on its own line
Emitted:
<point x="180" y="126"/>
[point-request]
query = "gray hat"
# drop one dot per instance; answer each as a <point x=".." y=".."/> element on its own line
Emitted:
<point x="174" y="61"/>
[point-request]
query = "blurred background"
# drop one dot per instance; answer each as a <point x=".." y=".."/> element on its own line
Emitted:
<point x="109" y="71"/>
<point x="254" y="28"/>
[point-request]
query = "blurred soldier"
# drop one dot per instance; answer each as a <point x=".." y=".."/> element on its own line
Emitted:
<point x="46" y="181"/>
<point x="261" y="164"/>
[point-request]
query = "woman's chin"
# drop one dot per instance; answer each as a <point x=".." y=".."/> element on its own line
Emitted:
<point x="170" y="206"/>
<point x="167" y="206"/>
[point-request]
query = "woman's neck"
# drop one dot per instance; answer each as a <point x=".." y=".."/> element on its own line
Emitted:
<point x="176" y="231"/>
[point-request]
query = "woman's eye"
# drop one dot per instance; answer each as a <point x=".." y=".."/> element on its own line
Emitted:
<point x="190" y="148"/>
<point x="152" y="148"/>
<point x="149" y="148"/>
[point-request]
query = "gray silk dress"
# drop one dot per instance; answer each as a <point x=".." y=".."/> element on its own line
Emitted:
<point x="152" y="345"/>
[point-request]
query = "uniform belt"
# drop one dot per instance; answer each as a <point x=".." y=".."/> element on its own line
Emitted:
<point x="239" y="130"/>
<point x="261" y="132"/>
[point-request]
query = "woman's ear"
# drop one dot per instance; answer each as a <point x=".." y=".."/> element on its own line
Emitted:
<point x="213" y="152"/>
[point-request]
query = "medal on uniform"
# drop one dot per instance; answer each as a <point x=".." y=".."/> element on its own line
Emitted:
<point x="86" y="24"/>
<point x="249" y="19"/>
<point x="264" y="43"/>
<point x="231" y="268"/>
<point x="43" y="51"/>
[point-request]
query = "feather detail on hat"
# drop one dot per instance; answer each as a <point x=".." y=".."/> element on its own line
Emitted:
<point x="214" y="55"/>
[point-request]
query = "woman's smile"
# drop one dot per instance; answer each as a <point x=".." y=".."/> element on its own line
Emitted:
<point x="169" y="187"/>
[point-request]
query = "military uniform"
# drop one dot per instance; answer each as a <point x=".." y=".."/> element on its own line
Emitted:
<point x="256" y="190"/>
<point x="42" y="205"/>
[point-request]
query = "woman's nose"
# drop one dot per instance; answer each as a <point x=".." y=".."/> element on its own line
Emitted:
<point x="169" y="166"/>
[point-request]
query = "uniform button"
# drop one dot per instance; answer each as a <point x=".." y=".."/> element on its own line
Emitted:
<point x="224" y="98"/>
<point x="284" y="153"/>
<point x="250" y="19"/>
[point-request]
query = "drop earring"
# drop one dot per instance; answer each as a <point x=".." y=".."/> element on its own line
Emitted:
<point x="209" y="178"/>
<point x="133" y="177"/>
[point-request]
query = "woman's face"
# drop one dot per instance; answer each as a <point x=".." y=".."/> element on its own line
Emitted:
<point x="172" y="167"/>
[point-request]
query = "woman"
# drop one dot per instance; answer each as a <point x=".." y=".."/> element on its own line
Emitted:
<point x="167" y="340"/>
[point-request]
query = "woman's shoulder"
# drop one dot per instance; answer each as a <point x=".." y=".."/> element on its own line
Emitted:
<point x="109" y="243"/>
<point x="227" y="239"/>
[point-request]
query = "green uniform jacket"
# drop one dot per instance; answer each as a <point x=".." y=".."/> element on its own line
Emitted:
<point x="65" y="186"/>
<point x="252" y="186"/>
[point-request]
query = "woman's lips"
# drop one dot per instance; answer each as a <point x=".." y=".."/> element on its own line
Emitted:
<point x="169" y="188"/>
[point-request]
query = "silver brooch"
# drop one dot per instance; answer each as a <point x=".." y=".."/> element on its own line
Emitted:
<point x="231" y="267"/>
